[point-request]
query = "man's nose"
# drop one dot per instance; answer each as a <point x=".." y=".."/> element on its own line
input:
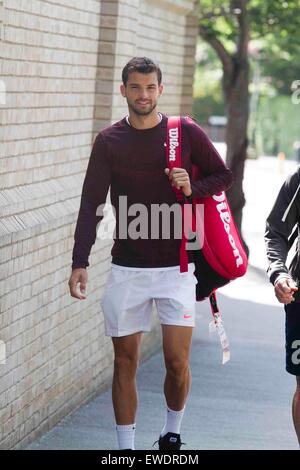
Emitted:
<point x="144" y="94"/>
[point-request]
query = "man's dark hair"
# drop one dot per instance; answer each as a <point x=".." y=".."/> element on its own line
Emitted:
<point x="141" y="65"/>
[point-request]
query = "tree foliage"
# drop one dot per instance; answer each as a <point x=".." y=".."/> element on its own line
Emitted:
<point x="281" y="18"/>
<point x="274" y="26"/>
<point x="229" y="26"/>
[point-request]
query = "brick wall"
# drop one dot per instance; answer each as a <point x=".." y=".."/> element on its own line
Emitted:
<point x="61" y="64"/>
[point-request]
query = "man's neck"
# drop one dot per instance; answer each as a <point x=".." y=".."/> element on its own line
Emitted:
<point x="143" y="122"/>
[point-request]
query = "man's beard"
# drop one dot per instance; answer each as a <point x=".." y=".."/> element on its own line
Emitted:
<point x="140" y="111"/>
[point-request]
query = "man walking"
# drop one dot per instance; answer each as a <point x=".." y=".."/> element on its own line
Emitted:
<point x="130" y="158"/>
<point x="282" y="229"/>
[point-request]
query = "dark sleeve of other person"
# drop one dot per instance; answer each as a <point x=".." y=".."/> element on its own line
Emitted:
<point x="278" y="231"/>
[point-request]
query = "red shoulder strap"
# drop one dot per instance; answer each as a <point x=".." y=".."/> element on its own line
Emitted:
<point x="174" y="148"/>
<point x="174" y="160"/>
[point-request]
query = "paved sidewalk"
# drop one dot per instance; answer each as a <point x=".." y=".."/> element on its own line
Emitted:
<point x="245" y="404"/>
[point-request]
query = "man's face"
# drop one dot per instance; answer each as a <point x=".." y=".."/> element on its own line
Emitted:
<point x="142" y="92"/>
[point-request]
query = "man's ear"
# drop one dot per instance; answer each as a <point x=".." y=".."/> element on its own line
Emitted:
<point x="122" y="90"/>
<point x="160" y="89"/>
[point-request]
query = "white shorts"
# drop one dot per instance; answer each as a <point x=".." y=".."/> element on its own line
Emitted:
<point x="127" y="301"/>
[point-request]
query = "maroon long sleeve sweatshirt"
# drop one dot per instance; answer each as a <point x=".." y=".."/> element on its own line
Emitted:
<point x="132" y="162"/>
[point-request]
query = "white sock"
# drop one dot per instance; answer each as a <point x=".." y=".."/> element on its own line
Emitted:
<point x="125" y="434"/>
<point x="173" y="421"/>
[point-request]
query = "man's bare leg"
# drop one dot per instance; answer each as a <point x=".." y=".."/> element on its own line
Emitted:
<point x="124" y="392"/>
<point x="296" y="409"/>
<point x="176" y="346"/>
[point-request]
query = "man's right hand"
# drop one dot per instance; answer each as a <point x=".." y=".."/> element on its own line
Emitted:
<point x="284" y="290"/>
<point x="79" y="275"/>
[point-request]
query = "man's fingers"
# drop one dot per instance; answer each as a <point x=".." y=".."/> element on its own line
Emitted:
<point x="175" y="171"/>
<point x="178" y="170"/>
<point x="283" y="292"/>
<point x="181" y="181"/>
<point x="83" y="287"/>
<point x="285" y="285"/>
<point x="178" y="176"/>
<point x="282" y="288"/>
<point x="74" y="292"/>
<point x="292" y="285"/>
<point x="76" y="295"/>
<point x="73" y="285"/>
<point x="284" y="299"/>
<point x="181" y="177"/>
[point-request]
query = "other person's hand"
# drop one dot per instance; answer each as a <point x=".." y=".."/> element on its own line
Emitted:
<point x="284" y="290"/>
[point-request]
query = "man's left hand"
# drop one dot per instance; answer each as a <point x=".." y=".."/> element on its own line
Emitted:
<point x="179" y="178"/>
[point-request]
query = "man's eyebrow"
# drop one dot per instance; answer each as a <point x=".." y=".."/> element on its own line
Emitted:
<point x="137" y="84"/>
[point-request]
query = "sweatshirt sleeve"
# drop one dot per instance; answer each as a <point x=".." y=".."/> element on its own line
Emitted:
<point x="94" y="192"/>
<point x="278" y="231"/>
<point x="215" y="175"/>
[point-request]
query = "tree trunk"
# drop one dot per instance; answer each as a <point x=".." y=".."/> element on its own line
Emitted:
<point x="235" y="88"/>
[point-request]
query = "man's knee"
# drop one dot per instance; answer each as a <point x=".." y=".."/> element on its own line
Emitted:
<point x="126" y="349"/>
<point x="177" y="367"/>
<point x="126" y="359"/>
<point x="126" y="364"/>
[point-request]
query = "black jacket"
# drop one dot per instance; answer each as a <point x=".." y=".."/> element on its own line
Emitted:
<point x="282" y="228"/>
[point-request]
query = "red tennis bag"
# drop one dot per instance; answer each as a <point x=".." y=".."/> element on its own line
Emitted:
<point x="220" y="257"/>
